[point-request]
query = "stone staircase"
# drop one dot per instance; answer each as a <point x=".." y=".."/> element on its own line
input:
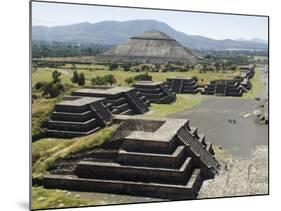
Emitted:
<point x="197" y="148"/>
<point x="163" y="158"/>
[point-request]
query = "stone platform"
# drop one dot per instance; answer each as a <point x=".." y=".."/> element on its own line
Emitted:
<point x="161" y="158"/>
<point x="182" y="85"/>
<point x="223" y="88"/>
<point x="156" y="92"/>
<point x="77" y="116"/>
<point x="119" y="100"/>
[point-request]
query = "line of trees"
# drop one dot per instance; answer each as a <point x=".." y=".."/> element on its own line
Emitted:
<point x="58" y="49"/>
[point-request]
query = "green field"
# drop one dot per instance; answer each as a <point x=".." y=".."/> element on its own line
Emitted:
<point x="45" y="74"/>
<point x="182" y="102"/>
<point x="257" y="85"/>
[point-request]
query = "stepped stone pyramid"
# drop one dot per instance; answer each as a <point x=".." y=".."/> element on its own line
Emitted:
<point x="88" y="110"/>
<point x="77" y="116"/>
<point x="161" y="158"/>
<point x="150" y="47"/>
<point x="223" y="88"/>
<point x="182" y="85"/>
<point x="155" y="92"/>
<point x="119" y="100"/>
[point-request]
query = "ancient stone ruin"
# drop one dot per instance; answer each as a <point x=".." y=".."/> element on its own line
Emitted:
<point x="153" y="47"/>
<point x="182" y="85"/>
<point x="235" y="87"/>
<point x="223" y="88"/>
<point x="119" y="100"/>
<point x="77" y="116"/>
<point x="155" y="92"/>
<point x="161" y="158"/>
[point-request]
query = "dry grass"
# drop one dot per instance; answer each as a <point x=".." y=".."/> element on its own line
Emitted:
<point x="48" y="150"/>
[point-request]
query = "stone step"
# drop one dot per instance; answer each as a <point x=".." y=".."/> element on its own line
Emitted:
<point x="127" y="112"/>
<point x="154" y="95"/>
<point x="116" y="171"/>
<point x="121" y="108"/>
<point x="149" y="90"/>
<point x="173" y="160"/>
<point x="71" y="108"/>
<point x="149" y="189"/>
<point x="70" y="134"/>
<point x="149" y="146"/>
<point x="162" y="100"/>
<point x="70" y="116"/>
<point x="117" y="102"/>
<point x="75" y="126"/>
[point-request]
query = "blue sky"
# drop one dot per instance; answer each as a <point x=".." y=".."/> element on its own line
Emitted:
<point x="214" y="26"/>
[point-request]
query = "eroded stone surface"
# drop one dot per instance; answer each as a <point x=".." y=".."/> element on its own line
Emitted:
<point x="240" y="176"/>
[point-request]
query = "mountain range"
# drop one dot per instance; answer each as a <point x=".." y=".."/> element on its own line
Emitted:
<point x="116" y="32"/>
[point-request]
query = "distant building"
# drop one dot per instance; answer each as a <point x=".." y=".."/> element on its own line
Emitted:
<point x="153" y="47"/>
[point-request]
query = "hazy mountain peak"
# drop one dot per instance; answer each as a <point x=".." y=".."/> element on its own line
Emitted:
<point x="115" y="32"/>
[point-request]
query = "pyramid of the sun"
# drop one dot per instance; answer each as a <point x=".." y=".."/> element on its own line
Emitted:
<point x="151" y="47"/>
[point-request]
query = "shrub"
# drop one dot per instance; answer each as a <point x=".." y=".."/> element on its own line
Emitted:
<point x="52" y="89"/>
<point x="143" y="77"/>
<point x="195" y="78"/>
<point x="40" y="85"/>
<point x="129" y="80"/>
<point x="113" y="66"/>
<point x="104" y="80"/>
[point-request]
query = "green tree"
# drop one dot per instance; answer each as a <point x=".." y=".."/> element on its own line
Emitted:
<point x="75" y="77"/>
<point x="55" y="76"/>
<point x="81" y="79"/>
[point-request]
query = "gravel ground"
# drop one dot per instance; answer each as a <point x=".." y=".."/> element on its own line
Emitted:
<point x="213" y="115"/>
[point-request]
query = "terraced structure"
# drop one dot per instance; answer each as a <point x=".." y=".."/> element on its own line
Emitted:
<point x="77" y="116"/>
<point x="182" y="85"/>
<point x="223" y="88"/>
<point x="119" y="100"/>
<point x="154" y="47"/>
<point x="155" y="92"/>
<point x="160" y="158"/>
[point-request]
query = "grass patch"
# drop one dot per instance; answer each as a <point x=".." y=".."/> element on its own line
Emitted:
<point x="221" y="153"/>
<point x="48" y="150"/>
<point x="45" y="74"/>
<point x="53" y="198"/>
<point x="182" y="102"/>
<point x="40" y="113"/>
<point x="257" y="85"/>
